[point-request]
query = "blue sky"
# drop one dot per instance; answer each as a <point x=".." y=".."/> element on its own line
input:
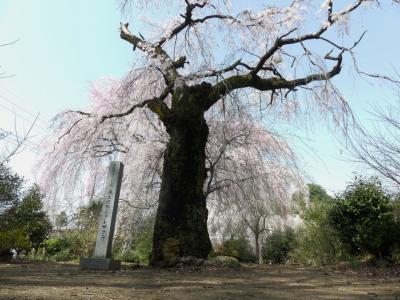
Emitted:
<point x="64" y="45"/>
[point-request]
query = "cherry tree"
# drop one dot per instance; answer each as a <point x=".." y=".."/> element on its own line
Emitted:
<point x="207" y="55"/>
<point x="239" y="152"/>
<point x="257" y="203"/>
<point x="252" y="174"/>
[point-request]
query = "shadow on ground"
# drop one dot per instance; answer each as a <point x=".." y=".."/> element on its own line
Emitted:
<point x="66" y="281"/>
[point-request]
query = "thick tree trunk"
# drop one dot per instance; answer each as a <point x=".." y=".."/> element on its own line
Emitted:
<point x="258" y="248"/>
<point x="181" y="221"/>
<point x="260" y="254"/>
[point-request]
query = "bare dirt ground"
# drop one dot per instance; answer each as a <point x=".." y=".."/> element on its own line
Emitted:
<point x="66" y="281"/>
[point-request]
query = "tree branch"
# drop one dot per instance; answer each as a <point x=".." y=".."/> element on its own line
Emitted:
<point x="155" y="104"/>
<point x="234" y="82"/>
<point x="155" y="52"/>
<point x="282" y="41"/>
<point x="188" y="21"/>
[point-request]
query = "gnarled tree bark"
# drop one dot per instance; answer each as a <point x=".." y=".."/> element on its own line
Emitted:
<point x="181" y="221"/>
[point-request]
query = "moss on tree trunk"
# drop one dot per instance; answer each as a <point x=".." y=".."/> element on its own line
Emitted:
<point x="181" y="221"/>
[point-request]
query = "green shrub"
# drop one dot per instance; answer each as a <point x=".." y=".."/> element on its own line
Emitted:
<point x="364" y="219"/>
<point x="317" y="242"/>
<point x="69" y="245"/>
<point x="80" y="241"/>
<point x="13" y="239"/>
<point x="277" y="246"/>
<point x="142" y="241"/>
<point x="63" y="255"/>
<point x="223" y="261"/>
<point x="238" y="247"/>
<point x="139" y="252"/>
<point x="142" y="249"/>
<point x="55" y="245"/>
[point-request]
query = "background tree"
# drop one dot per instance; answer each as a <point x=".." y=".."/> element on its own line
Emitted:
<point x="379" y="147"/>
<point x="317" y="193"/>
<point x="364" y="218"/>
<point x="10" y="193"/>
<point x="10" y="189"/>
<point x="251" y="173"/>
<point x="30" y="215"/>
<point x="186" y="72"/>
<point x="23" y="223"/>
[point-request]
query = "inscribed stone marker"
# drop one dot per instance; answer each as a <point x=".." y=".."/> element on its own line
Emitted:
<point x="102" y="254"/>
<point x="109" y="210"/>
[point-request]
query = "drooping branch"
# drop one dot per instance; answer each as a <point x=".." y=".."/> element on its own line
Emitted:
<point x="69" y="130"/>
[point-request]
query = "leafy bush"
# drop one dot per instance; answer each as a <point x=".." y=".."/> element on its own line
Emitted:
<point x="141" y="245"/>
<point x="63" y="255"/>
<point x="140" y="250"/>
<point x="277" y="246"/>
<point x="317" y="242"/>
<point x="224" y="261"/>
<point x="69" y="245"/>
<point x="238" y="247"/>
<point x="13" y="239"/>
<point x="364" y="219"/>
<point x="55" y="245"/>
<point x="80" y="241"/>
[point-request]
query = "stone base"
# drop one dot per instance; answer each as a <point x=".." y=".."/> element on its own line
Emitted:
<point x="98" y="263"/>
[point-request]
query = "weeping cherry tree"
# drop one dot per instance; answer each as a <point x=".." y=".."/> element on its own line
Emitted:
<point x="204" y="56"/>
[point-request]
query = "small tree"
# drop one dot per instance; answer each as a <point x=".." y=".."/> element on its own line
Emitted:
<point x="23" y="222"/>
<point x="30" y="215"/>
<point x="364" y="219"/>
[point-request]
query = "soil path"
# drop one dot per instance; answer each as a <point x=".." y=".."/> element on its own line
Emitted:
<point x="67" y="281"/>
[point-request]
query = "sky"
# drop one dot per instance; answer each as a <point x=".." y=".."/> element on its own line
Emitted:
<point x="62" y="46"/>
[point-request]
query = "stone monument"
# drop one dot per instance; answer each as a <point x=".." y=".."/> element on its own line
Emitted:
<point x="102" y="259"/>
